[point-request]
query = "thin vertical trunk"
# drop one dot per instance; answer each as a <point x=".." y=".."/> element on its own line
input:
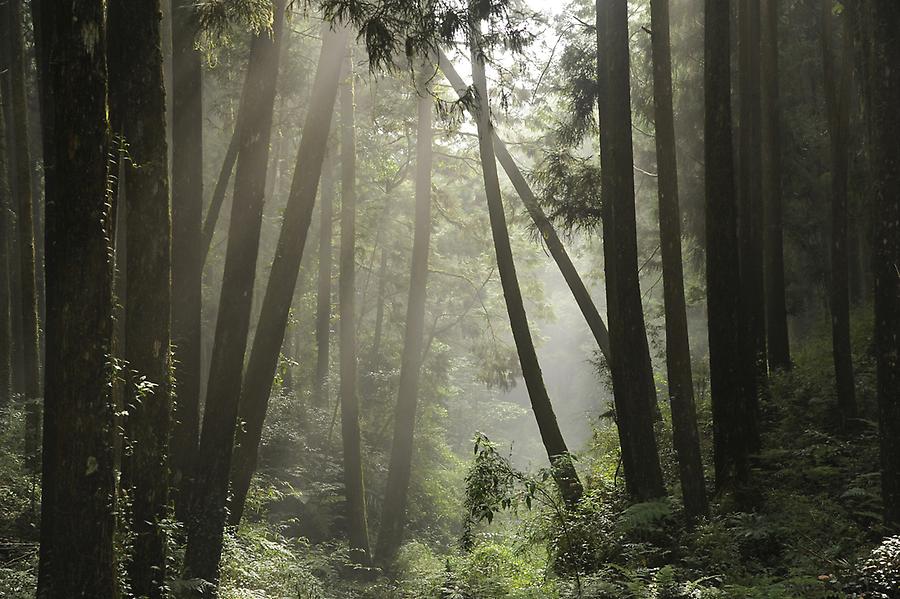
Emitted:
<point x="837" y="99"/>
<point x="378" y="333"/>
<point x="323" y="297"/>
<point x="76" y="552"/>
<point x="138" y="115"/>
<point x="777" y="342"/>
<point x="187" y="260"/>
<point x="393" y="518"/>
<point x="884" y="88"/>
<point x="354" y="487"/>
<point x="722" y="262"/>
<point x="628" y="337"/>
<point x="5" y="295"/>
<point x="678" y="352"/>
<point x="561" y="462"/>
<point x="21" y="177"/>
<point x="206" y="521"/>
<point x="279" y="295"/>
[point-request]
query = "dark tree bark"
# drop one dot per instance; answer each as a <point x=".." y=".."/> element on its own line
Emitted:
<point x="563" y="468"/>
<point x="187" y="259"/>
<point x="208" y="513"/>
<point x="393" y="517"/>
<point x="884" y="89"/>
<point x="5" y="290"/>
<point x="777" y="342"/>
<point x="678" y="352"/>
<point x="628" y="338"/>
<point x="727" y="384"/>
<point x="837" y="102"/>
<point x="351" y="438"/>
<point x="323" y="297"/>
<point x="218" y="197"/>
<point x="286" y="265"/>
<point x="138" y="115"/>
<point x="750" y="234"/>
<point x="20" y="152"/>
<point x="78" y="482"/>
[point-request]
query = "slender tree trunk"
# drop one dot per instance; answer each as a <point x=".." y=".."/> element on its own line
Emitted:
<point x="778" y="345"/>
<point x="187" y="259"/>
<point x="837" y="98"/>
<point x="286" y="266"/>
<point x="354" y="487"/>
<point x="378" y="334"/>
<point x="727" y="385"/>
<point x="678" y="351"/>
<point x="218" y="197"/>
<point x="21" y="177"/>
<point x="138" y="114"/>
<point x="628" y="337"/>
<point x="563" y="468"/>
<point x="206" y="521"/>
<point x="393" y="518"/>
<point x="884" y="88"/>
<point x="5" y="290"/>
<point x="78" y="482"/>
<point x="323" y="298"/>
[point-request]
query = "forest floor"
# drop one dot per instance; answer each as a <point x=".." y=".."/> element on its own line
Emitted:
<point x="814" y="532"/>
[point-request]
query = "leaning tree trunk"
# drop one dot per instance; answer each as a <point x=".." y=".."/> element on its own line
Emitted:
<point x="206" y="520"/>
<point x="285" y="266"/>
<point x="628" y="337"/>
<point x="777" y="343"/>
<point x="21" y="188"/>
<point x="837" y="100"/>
<point x="722" y="262"/>
<point x="351" y="438"/>
<point x="138" y="114"/>
<point x="323" y="293"/>
<point x="218" y="196"/>
<point x="678" y="351"/>
<point x="884" y="88"/>
<point x="78" y="480"/>
<point x="187" y="260"/>
<point x="561" y="462"/>
<point x="393" y="516"/>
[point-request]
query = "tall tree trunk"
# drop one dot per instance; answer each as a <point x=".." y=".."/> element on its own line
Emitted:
<point x="837" y="99"/>
<point x="378" y="333"/>
<point x="628" y="337"/>
<point x="884" y="88"/>
<point x="78" y="482"/>
<point x="727" y="385"/>
<point x="5" y="289"/>
<point x="560" y="460"/>
<point x="777" y="343"/>
<point x="138" y="114"/>
<point x="21" y="179"/>
<point x="750" y="210"/>
<point x="187" y="260"/>
<point x="323" y="297"/>
<point x="218" y="197"/>
<point x="206" y="521"/>
<point x="351" y="438"/>
<point x="678" y="351"/>
<point x="279" y="295"/>
<point x="393" y="518"/>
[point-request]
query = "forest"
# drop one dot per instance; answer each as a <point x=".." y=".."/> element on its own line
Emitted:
<point x="449" y="299"/>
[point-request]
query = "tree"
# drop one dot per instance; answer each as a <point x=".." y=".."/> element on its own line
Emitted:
<point x="634" y="397"/>
<point x="5" y="295"/>
<point x="20" y="152"/>
<point x="727" y="381"/>
<point x="187" y="259"/>
<point x="837" y="102"/>
<point x="777" y="343"/>
<point x="207" y="516"/>
<point x="137" y="112"/>
<point x="323" y="298"/>
<point x="560" y="460"/>
<point x="678" y="351"/>
<point x="397" y="489"/>
<point x="218" y="197"/>
<point x="279" y="294"/>
<point x="76" y="552"/>
<point x="354" y="487"/>
<point x="884" y="89"/>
